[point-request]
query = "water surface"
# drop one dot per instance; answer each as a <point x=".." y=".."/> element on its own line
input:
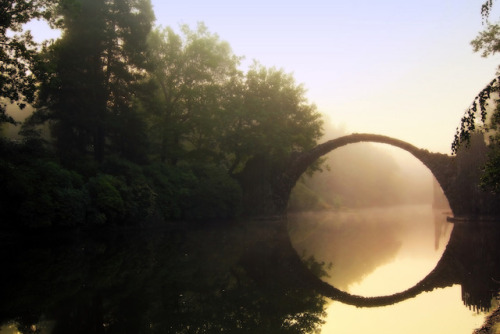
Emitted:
<point x="385" y="251"/>
<point x="246" y="277"/>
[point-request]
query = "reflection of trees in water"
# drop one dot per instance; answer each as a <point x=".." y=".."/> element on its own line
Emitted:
<point x="204" y="281"/>
<point x="477" y="255"/>
<point x="441" y="227"/>
<point x="471" y="259"/>
<point x="239" y="279"/>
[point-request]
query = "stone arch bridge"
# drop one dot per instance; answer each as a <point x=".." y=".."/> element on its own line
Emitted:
<point x="442" y="166"/>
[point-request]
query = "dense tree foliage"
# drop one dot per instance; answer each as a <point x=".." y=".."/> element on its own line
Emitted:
<point x="18" y="52"/>
<point x="191" y="75"/>
<point x="484" y="113"/>
<point x="205" y="109"/>
<point x="37" y="192"/>
<point x="272" y="118"/>
<point x="145" y="124"/>
<point x="90" y="78"/>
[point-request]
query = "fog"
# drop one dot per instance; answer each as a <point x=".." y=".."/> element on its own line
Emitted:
<point x="365" y="249"/>
<point x="363" y="175"/>
<point x="19" y="115"/>
<point x="373" y="206"/>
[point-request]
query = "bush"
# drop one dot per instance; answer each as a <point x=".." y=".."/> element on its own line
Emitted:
<point x="40" y="193"/>
<point x="214" y="196"/>
<point x="172" y="186"/>
<point x="194" y="192"/>
<point x="136" y="191"/>
<point x="107" y="205"/>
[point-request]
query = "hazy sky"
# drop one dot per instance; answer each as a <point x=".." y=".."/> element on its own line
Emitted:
<point x="400" y="68"/>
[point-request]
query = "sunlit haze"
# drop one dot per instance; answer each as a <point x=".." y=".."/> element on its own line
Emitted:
<point x="399" y="68"/>
<point x="443" y="317"/>
<point x="171" y="176"/>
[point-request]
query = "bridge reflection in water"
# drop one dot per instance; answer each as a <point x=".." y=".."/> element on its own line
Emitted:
<point x="470" y="259"/>
<point x="209" y="278"/>
<point x="470" y="263"/>
<point x="373" y="251"/>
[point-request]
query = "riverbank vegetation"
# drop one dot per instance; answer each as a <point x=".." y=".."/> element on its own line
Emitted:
<point x="121" y="122"/>
<point x="135" y="124"/>
<point x="483" y="116"/>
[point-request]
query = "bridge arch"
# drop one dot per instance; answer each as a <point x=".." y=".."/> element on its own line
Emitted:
<point x="442" y="166"/>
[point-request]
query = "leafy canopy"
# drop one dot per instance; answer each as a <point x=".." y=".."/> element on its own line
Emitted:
<point x="481" y="116"/>
<point x="18" y="51"/>
<point x="90" y="79"/>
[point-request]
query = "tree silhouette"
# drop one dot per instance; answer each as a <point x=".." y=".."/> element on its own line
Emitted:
<point x="91" y="75"/>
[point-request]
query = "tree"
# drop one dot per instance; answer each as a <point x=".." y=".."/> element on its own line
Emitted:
<point x="271" y="118"/>
<point x="18" y="52"/>
<point x="190" y="74"/>
<point x="91" y="77"/>
<point x="481" y="116"/>
<point x="206" y="109"/>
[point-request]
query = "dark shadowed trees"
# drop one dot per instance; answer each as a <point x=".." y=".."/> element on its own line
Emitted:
<point x="484" y="113"/>
<point x="18" y="52"/>
<point x="271" y="119"/>
<point x="190" y="75"/>
<point x="91" y="76"/>
<point x="144" y="118"/>
<point x="205" y="110"/>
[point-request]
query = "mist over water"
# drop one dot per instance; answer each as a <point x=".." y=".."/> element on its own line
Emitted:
<point x="145" y="172"/>
<point x="377" y="221"/>
<point x="372" y="251"/>
<point x="375" y="215"/>
<point x="363" y="175"/>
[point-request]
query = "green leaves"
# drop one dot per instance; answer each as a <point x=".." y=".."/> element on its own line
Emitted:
<point x="18" y="52"/>
<point x="483" y="115"/>
<point x="205" y="109"/>
<point x="486" y="9"/>
<point x="94" y="73"/>
<point x="488" y="40"/>
<point x="38" y="192"/>
<point x="274" y="118"/>
<point x="110" y="88"/>
<point x="191" y="72"/>
<point x="479" y="116"/>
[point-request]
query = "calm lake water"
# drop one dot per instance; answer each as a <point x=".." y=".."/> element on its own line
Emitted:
<point x="316" y="272"/>
<point x="383" y="251"/>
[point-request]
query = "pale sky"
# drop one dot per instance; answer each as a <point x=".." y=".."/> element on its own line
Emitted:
<point x="399" y="68"/>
